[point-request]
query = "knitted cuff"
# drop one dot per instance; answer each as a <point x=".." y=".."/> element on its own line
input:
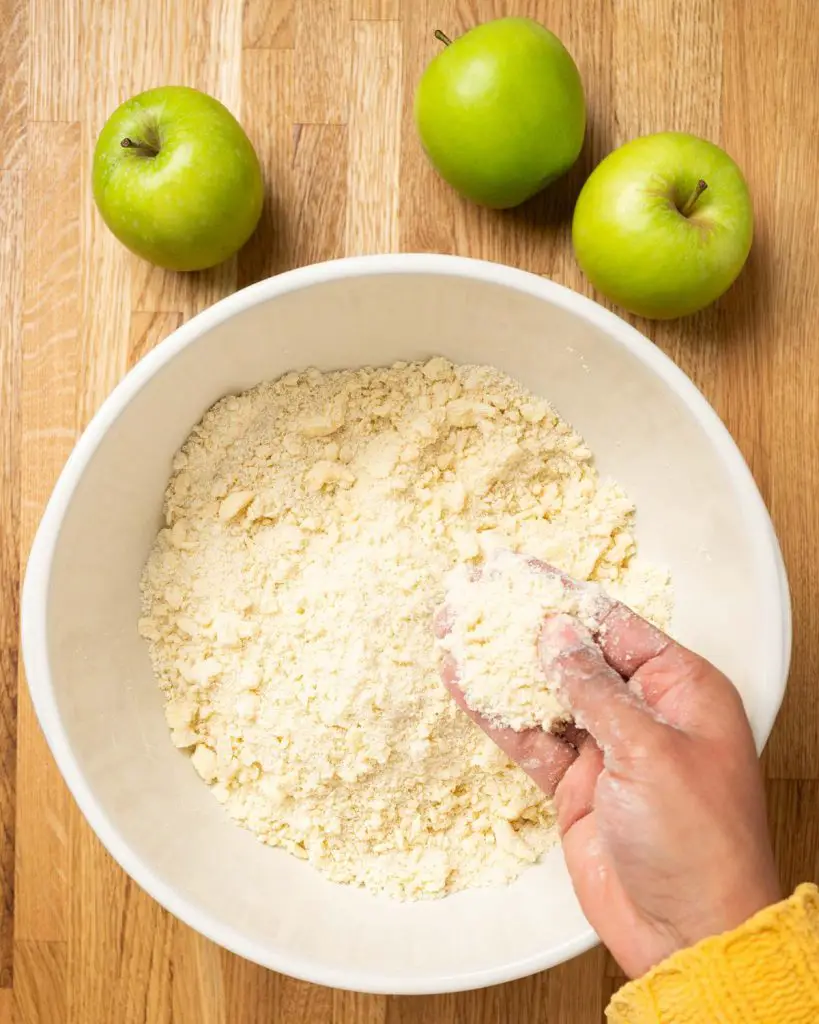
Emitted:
<point x="764" y="972"/>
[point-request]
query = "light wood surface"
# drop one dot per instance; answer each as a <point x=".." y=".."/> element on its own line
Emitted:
<point x="324" y="88"/>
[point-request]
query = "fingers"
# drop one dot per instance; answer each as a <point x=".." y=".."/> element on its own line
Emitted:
<point x="591" y="669"/>
<point x="543" y="756"/>
<point x="442" y="622"/>
<point x="574" y="796"/>
<point x="686" y="689"/>
<point x="596" y="695"/>
<point x="628" y="641"/>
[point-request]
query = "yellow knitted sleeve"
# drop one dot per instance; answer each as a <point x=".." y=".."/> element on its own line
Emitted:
<point x="765" y="972"/>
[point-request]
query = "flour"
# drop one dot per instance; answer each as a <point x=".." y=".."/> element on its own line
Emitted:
<point x="496" y="615"/>
<point x="310" y="524"/>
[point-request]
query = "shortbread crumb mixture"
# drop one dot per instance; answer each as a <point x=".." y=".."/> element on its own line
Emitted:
<point x="288" y="604"/>
<point x="495" y="616"/>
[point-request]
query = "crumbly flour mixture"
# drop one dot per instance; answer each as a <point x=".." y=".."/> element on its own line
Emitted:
<point x="495" y="615"/>
<point x="310" y="524"/>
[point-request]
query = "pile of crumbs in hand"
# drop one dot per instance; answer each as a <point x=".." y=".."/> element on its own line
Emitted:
<point x="288" y="601"/>
<point x="495" y="616"/>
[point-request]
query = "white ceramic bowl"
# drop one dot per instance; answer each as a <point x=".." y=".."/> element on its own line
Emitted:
<point x="99" y="705"/>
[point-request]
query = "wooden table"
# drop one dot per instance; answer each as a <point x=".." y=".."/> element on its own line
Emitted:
<point x="324" y="88"/>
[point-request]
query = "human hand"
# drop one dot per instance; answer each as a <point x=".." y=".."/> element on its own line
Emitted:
<point x="657" y="787"/>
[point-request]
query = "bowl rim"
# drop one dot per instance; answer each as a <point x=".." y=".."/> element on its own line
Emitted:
<point x="34" y="602"/>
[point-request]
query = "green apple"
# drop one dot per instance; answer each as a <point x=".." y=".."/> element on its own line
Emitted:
<point x="500" y="111"/>
<point x="176" y="179"/>
<point x="664" y="225"/>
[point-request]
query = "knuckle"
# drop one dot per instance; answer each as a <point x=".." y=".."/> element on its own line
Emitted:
<point x="581" y="663"/>
<point x="653" y="743"/>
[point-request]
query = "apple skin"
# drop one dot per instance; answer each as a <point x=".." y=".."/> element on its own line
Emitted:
<point x="500" y="111"/>
<point x="635" y="245"/>
<point x="193" y="203"/>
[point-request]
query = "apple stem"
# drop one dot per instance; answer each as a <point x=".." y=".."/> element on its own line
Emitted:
<point x="691" y="202"/>
<point x="439" y="35"/>
<point x="143" y="148"/>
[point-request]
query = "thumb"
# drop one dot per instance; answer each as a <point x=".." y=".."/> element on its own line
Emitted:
<point x="597" y="696"/>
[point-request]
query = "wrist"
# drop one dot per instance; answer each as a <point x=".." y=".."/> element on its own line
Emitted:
<point x="725" y="910"/>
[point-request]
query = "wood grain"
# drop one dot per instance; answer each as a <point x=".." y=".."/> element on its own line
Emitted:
<point x="40" y="988"/>
<point x="11" y="315"/>
<point x="426" y="207"/>
<point x="324" y="88"/>
<point x="323" y="35"/>
<point x="6" y="1006"/>
<point x="50" y="338"/>
<point x="147" y="330"/>
<point x="269" y="72"/>
<point x="376" y="10"/>
<point x="318" y="214"/>
<point x="575" y="991"/>
<point x="54" y="60"/>
<point x="14" y="67"/>
<point x="363" y="1009"/>
<point x="774" y="345"/>
<point x="270" y="24"/>
<point x="374" y="139"/>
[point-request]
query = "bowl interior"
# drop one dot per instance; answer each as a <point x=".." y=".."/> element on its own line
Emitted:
<point x="697" y="513"/>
